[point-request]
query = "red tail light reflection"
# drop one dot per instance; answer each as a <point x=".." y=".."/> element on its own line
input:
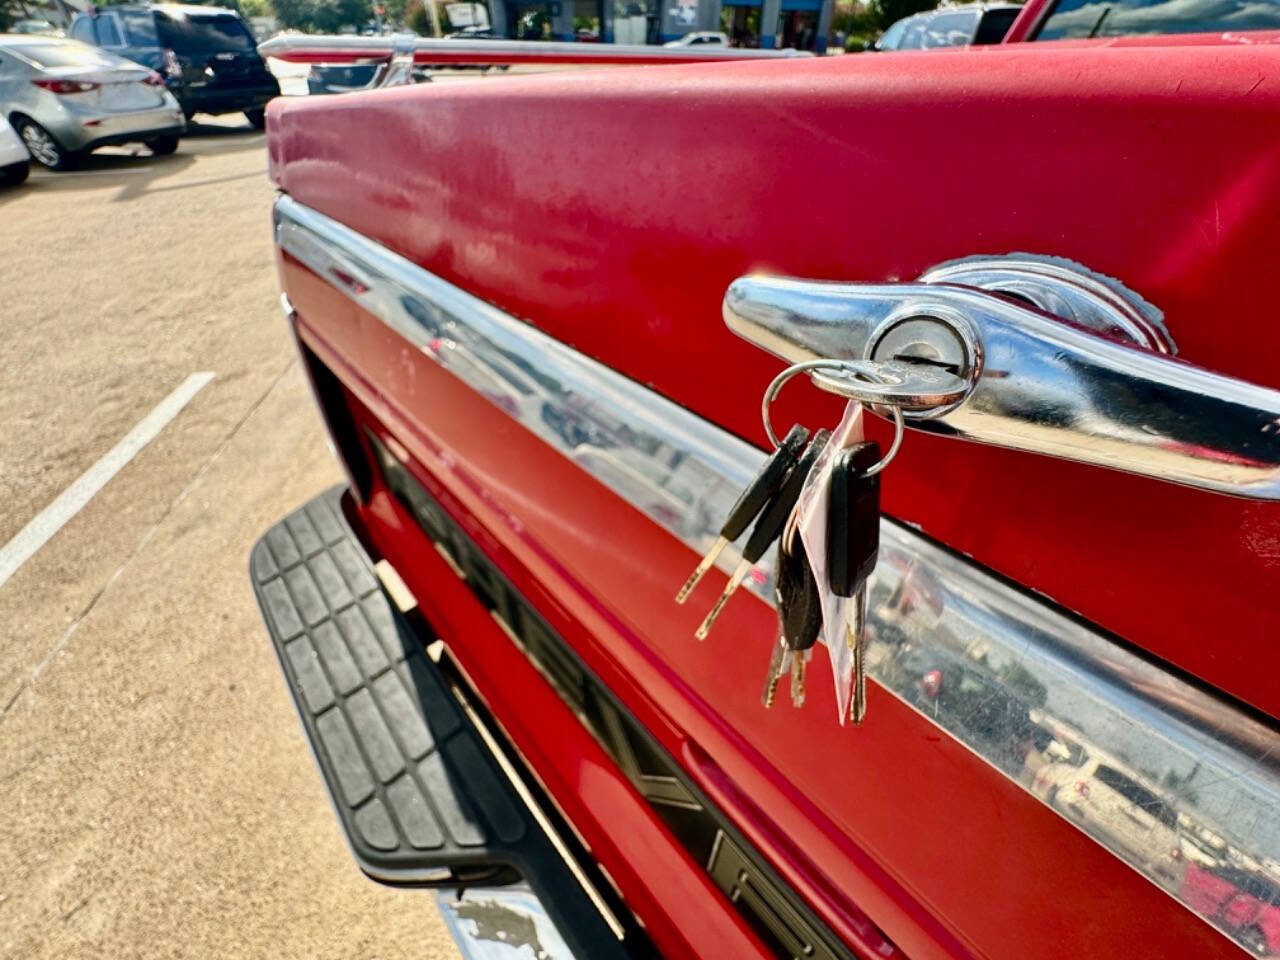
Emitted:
<point x="931" y="684"/>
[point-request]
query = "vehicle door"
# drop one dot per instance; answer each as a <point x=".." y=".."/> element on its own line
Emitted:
<point x="592" y="228"/>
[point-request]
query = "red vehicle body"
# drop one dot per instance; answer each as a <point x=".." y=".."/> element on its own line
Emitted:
<point x="611" y="214"/>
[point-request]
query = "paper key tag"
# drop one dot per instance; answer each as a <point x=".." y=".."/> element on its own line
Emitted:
<point x="811" y="524"/>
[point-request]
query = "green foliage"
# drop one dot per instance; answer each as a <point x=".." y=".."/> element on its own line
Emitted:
<point x="256" y="8"/>
<point x="887" y="12"/>
<point x="855" y="17"/>
<point x="416" y="18"/>
<point x="295" y="14"/>
<point x="1024" y="682"/>
<point x="322" y="16"/>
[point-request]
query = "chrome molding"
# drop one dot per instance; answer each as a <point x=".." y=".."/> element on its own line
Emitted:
<point x="1179" y="784"/>
<point x="428" y="50"/>
<point x="1039" y="384"/>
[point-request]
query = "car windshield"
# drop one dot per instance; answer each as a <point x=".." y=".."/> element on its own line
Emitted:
<point x="67" y="53"/>
<point x="203" y="33"/>
<point x="1114" y="18"/>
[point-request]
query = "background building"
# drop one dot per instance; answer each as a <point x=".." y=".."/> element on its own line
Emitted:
<point x="802" y="24"/>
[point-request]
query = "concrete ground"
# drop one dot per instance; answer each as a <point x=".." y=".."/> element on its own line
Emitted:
<point x="156" y="796"/>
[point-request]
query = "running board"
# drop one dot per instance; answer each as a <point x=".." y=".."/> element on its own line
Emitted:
<point x="419" y="794"/>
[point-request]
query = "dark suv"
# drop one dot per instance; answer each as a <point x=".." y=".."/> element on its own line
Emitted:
<point x="207" y="55"/>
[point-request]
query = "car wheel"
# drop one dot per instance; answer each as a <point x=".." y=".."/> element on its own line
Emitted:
<point x="42" y="146"/>
<point x="256" y="117"/>
<point x="14" y="173"/>
<point x="163" y="146"/>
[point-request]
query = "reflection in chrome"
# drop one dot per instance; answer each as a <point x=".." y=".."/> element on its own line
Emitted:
<point x="1038" y="384"/>
<point x="350" y="49"/>
<point x="1182" y="786"/>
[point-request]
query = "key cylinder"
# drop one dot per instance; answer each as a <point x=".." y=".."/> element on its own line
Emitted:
<point x="932" y="341"/>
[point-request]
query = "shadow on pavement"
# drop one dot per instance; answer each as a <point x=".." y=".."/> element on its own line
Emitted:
<point x="136" y="171"/>
<point x="202" y="129"/>
<point x="99" y="170"/>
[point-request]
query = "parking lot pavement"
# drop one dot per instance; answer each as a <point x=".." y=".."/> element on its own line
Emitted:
<point x="158" y="797"/>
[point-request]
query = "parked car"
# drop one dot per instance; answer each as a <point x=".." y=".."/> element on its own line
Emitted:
<point x="655" y="246"/>
<point x="700" y="38"/>
<point x="15" y="162"/>
<point x="950" y="26"/>
<point x="34" y="27"/>
<point x="1109" y="799"/>
<point x="1244" y="901"/>
<point x="66" y="99"/>
<point x="1092" y="19"/>
<point x="207" y="55"/>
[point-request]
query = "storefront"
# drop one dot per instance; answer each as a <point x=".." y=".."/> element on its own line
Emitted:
<point x="584" y="20"/>
<point x="802" y="24"/>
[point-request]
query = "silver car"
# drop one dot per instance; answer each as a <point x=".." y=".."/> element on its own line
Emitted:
<point x="66" y="98"/>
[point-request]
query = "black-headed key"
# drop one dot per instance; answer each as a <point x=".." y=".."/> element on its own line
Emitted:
<point x="769" y="526"/>
<point x="750" y="502"/>
<point x="799" y="603"/>
<point x="853" y="546"/>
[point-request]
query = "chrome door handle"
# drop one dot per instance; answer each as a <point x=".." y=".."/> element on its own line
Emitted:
<point x="1038" y="383"/>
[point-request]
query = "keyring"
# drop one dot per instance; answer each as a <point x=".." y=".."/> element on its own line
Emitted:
<point x="858" y="367"/>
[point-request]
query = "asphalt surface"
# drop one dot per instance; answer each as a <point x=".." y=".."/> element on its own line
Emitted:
<point x="157" y="797"/>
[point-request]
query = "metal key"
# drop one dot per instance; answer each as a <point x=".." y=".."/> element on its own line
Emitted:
<point x="768" y="527"/>
<point x="799" y="609"/>
<point x="853" y="546"/>
<point x="750" y="502"/>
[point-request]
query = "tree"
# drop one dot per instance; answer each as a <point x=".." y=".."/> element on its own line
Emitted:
<point x="332" y="15"/>
<point x="890" y="11"/>
<point x="295" y="14"/>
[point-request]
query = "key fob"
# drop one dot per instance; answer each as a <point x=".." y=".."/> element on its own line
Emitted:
<point x="853" y="541"/>
<point x="798" y="596"/>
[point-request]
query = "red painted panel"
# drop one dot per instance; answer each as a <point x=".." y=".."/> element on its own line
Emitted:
<point x="941" y="851"/>
<point x="685" y="914"/>
<point x="613" y="211"/>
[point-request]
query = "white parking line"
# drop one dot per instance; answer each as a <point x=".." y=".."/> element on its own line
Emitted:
<point x="53" y="517"/>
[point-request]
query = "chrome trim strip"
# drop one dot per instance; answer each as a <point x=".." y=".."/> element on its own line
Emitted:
<point x="1179" y="784"/>
<point x="313" y="48"/>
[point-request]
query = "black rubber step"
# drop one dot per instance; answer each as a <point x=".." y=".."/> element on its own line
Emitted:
<point x="420" y="796"/>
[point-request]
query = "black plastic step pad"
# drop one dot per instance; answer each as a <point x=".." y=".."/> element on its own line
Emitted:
<point x="415" y="789"/>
